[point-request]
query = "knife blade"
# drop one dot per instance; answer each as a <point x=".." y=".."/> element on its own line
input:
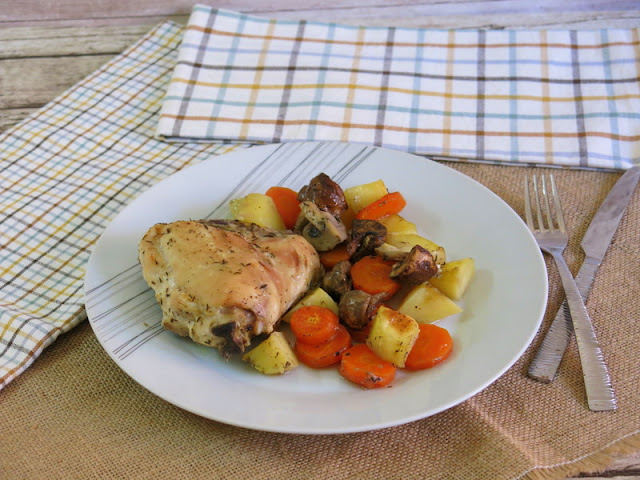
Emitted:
<point x="595" y="243"/>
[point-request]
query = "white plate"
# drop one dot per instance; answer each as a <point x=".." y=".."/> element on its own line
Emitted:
<point x="503" y="307"/>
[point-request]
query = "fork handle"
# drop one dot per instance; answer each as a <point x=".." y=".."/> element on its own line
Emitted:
<point x="600" y="395"/>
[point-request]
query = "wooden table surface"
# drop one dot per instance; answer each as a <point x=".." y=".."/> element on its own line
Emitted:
<point x="47" y="46"/>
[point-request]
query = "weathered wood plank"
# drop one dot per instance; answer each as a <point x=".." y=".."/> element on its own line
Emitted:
<point x="419" y="17"/>
<point x="67" y="41"/>
<point x="627" y="462"/>
<point x="401" y="18"/>
<point x="32" y="82"/>
<point x="625" y="467"/>
<point x="83" y="12"/>
<point x="147" y="21"/>
<point x="12" y="116"/>
<point x="26" y="10"/>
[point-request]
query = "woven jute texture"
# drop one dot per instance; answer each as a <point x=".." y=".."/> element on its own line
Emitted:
<point x="75" y="415"/>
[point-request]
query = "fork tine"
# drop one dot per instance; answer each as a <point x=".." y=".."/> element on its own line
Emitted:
<point x="547" y="206"/>
<point x="527" y="203"/>
<point x="536" y="194"/>
<point x="558" y="206"/>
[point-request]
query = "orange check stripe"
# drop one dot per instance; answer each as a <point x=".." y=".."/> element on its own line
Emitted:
<point x="407" y="91"/>
<point x="364" y="126"/>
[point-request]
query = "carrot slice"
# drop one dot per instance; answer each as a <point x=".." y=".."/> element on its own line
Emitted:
<point x="331" y="258"/>
<point x="371" y="274"/>
<point x="313" y="324"/>
<point x="434" y="344"/>
<point x="287" y="204"/>
<point x="360" y="365"/>
<point x="391" y="203"/>
<point x="324" y="354"/>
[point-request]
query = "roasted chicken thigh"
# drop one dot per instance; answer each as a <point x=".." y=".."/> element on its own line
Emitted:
<point x="223" y="282"/>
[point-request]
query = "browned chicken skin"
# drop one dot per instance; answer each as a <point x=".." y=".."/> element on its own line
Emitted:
<point x="222" y="282"/>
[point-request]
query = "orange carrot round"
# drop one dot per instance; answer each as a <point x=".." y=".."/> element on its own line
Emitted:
<point x="331" y="258"/>
<point x="313" y="324"/>
<point x="326" y="353"/>
<point x="389" y="204"/>
<point x="360" y="365"/>
<point x="371" y="274"/>
<point x="287" y="204"/>
<point x="433" y="345"/>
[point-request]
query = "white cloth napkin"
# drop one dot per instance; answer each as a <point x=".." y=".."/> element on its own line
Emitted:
<point x="560" y="97"/>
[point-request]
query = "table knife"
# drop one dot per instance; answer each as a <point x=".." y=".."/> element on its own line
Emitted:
<point x="594" y="244"/>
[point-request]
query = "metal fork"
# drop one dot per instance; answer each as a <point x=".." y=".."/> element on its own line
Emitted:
<point x="553" y="239"/>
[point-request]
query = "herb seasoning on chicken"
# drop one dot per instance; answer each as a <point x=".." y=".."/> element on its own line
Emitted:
<point x="223" y="282"/>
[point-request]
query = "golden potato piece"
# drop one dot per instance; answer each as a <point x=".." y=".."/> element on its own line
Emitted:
<point x="398" y="224"/>
<point x="317" y="297"/>
<point x="257" y="208"/>
<point x="426" y="304"/>
<point x="360" y="196"/>
<point x="454" y="277"/>
<point x="392" y="335"/>
<point x="274" y="356"/>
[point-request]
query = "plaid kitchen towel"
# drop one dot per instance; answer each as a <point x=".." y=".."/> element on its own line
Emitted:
<point x="64" y="175"/>
<point x="561" y="97"/>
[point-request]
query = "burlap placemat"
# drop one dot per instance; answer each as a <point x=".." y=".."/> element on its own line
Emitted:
<point x="75" y="415"/>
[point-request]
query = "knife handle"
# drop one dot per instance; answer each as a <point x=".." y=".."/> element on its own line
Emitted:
<point x="544" y="366"/>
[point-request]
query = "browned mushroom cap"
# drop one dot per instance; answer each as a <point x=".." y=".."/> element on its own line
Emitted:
<point x="417" y="267"/>
<point x="357" y="308"/>
<point x="325" y="193"/>
<point x="366" y="236"/>
<point x="336" y="282"/>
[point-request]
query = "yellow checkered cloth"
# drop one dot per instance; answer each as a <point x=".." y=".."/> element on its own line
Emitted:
<point x="562" y="97"/>
<point x="64" y="175"/>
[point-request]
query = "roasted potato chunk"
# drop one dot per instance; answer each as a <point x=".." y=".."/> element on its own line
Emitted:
<point x="392" y="335"/>
<point x="426" y="304"/>
<point x="360" y="196"/>
<point x="274" y="356"/>
<point x="257" y="208"/>
<point x="454" y="277"/>
<point x="317" y="297"/>
<point x="397" y="224"/>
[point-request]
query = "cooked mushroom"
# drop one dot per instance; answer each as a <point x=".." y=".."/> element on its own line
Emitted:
<point x="357" y="308"/>
<point x="418" y="267"/>
<point x="325" y="193"/>
<point x="336" y="282"/>
<point x="321" y="229"/>
<point x="390" y="252"/>
<point x="366" y="236"/>
<point x="400" y="251"/>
